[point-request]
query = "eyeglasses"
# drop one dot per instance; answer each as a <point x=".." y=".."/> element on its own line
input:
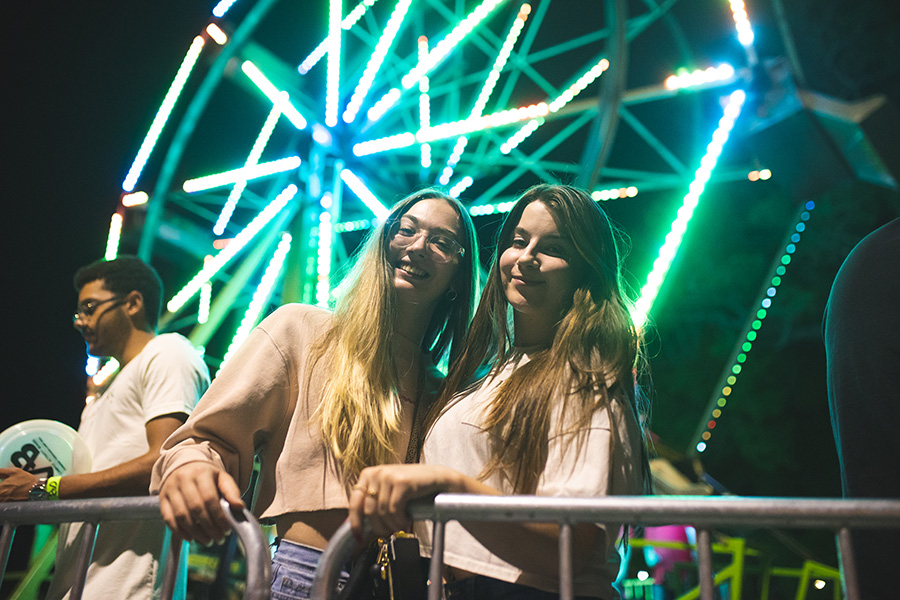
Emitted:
<point x="88" y="308"/>
<point x="443" y="248"/>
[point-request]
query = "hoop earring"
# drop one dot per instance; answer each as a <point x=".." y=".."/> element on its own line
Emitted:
<point x="451" y="295"/>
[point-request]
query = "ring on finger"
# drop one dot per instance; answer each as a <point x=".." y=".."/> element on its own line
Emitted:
<point x="366" y="490"/>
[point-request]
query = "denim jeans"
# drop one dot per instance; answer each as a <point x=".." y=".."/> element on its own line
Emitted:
<point x="479" y="587"/>
<point x="293" y="570"/>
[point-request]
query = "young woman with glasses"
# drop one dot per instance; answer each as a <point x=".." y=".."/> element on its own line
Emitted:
<point x="320" y="396"/>
<point x="549" y="408"/>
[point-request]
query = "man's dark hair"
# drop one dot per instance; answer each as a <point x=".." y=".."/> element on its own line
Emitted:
<point x="123" y="275"/>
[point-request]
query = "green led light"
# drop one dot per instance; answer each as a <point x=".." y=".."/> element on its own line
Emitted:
<point x="776" y="281"/>
<point x="757" y="324"/>
<point x="736" y="369"/>
<point x="721" y="402"/>
<point x="780" y="270"/>
<point x="741" y="358"/>
<point x="761" y="313"/>
<point x="786" y="259"/>
<point x="716" y="413"/>
<point x="751" y="335"/>
<point x="746" y="346"/>
<point x="731" y="380"/>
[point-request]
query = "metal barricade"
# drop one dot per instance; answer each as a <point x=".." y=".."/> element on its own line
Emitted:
<point x="93" y="512"/>
<point x="703" y="513"/>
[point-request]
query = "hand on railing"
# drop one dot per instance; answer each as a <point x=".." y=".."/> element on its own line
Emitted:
<point x="189" y="502"/>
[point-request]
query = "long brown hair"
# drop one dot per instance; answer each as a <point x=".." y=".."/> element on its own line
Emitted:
<point x="593" y="357"/>
<point x="360" y="408"/>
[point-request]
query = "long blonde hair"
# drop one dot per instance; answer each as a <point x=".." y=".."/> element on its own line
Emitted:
<point x="594" y="354"/>
<point x="360" y="407"/>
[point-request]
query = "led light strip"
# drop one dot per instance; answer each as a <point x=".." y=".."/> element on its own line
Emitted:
<point x="376" y="60"/>
<point x="243" y="174"/>
<point x="424" y="106"/>
<point x="679" y="226"/>
<point x="333" y="76"/>
<point x="699" y="77"/>
<point x="212" y="266"/>
<point x="222" y="7"/>
<point x="323" y="259"/>
<point x="112" y="239"/>
<point x="556" y="104"/>
<point x="260" y="297"/>
<point x="441" y="50"/>
<point x="452" y="129"/>
<point x="252" y="160"/>
<point x="349" y="21"/>
<point x="363" y="193"/>
<point x="279" y="98"/>
<point x="487" y="88"/>
<point x="162" y="115"/>
<point x="750" y="332"/>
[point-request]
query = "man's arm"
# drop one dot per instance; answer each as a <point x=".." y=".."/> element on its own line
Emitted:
<point x="131" y="478"/>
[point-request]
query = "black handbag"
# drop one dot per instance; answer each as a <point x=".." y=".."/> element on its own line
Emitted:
<point x="388" y="569"/>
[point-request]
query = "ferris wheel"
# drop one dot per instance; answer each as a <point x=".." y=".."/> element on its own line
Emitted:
<point x="288" y="130"/>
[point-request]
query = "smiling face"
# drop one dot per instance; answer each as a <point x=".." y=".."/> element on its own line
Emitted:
<point x="536" y="270"/>
<point x="420" y="276"/>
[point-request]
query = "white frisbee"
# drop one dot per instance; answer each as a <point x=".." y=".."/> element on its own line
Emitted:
<point x="44" y="447"/>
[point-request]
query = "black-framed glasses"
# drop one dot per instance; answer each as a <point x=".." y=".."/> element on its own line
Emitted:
<point x="442" y="247"/>
<point x="88" y="308"/>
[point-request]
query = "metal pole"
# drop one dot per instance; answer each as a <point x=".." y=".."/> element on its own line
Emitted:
<point x="704" y="556"/>
<point x="566" y="587"/>
<point x="436" y="566"/>
<point x="6" y="539"/>
<point x="88" y="536"/>
<point x="171" y="568"/>
<point x="848" y="564"/>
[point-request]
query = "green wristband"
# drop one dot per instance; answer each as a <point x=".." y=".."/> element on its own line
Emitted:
<point x="52" y="487"/>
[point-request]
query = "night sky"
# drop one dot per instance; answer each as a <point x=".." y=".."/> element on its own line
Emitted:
<point x="81" y="84"/>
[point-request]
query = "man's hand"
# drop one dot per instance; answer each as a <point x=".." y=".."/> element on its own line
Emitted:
<point x="16" y="484"/>
<point x="189" y="502"/>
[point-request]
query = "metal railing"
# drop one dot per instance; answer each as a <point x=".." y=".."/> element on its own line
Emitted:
<point x="704" y="514"/>
<point x="93" y="512"/>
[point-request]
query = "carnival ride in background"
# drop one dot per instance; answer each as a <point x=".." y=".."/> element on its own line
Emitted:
<point x="288" y="130"/>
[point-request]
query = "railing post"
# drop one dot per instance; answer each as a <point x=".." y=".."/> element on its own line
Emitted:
<point x="436" y="566"/>
<point x="566" y="587"/>
<point x="848" y="564"/>
<point x="6" y="539"/>
<point x="88" y="535"/>
<point x="704" y="558"/>
<point x="173" y="561"/>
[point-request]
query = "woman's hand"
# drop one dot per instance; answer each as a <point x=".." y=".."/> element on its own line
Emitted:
<point x="382" y="493"/>
<point x="189" y="502"/>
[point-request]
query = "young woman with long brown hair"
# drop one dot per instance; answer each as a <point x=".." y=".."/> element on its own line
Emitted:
<point x="319" y="396"/>
<point x="549" y="408"/>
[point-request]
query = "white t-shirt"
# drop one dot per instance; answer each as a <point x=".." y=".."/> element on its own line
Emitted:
<point x="167" y="376"/>
<point x="458" y="440"/>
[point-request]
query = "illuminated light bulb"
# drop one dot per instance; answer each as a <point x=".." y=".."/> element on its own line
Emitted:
<point x="401" y="140"/>
<point x="820" y="584"/>
<point x="363" y="193"/>
<point x="751" y="335"/>
<point x="252" y="160"/>
<point x="742" y="358"/>
<point x="244" y="173"/>
<point x="205" y="302"/>
<point x="723" y="401"/>
<point x="216" y="34"/>
<point x="711" y="424"/>
<point x="321" y="135"/>
<point x="135" y="199"/>
<point x="387" y="38"/>
<point x="222" y="7"/>
<point x="162" y="115"/>
<point x="107" y="371"/>
<point x="791" y="248"/>
<point x="278" y="98"/>
<point x="112" y="239"/>
<point x="766" y="303"/>
<point x="753" y="176"/>
<point x="716" y="413"/>
<point x="786" y="259"/>
<point x="91" y="366"/>
<point x="701" y="447"/>
<point x="460" y="187"/>
<point x="643" y="575"/>
<point x="260" y="297"/>
<point x="212" y="266"/>
<point x="221" y="243"/>
<point x="736" y="369"/>
<point x="795" y="238"/>
<point x="765" y="174"/>
<point x="706" y="435"/>
<point x="746" y="346"/>
<point x="333" y="65"/>
<point x="726" y="391"/>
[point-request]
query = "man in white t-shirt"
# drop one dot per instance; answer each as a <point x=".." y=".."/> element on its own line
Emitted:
<point x="160" y="379"/>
